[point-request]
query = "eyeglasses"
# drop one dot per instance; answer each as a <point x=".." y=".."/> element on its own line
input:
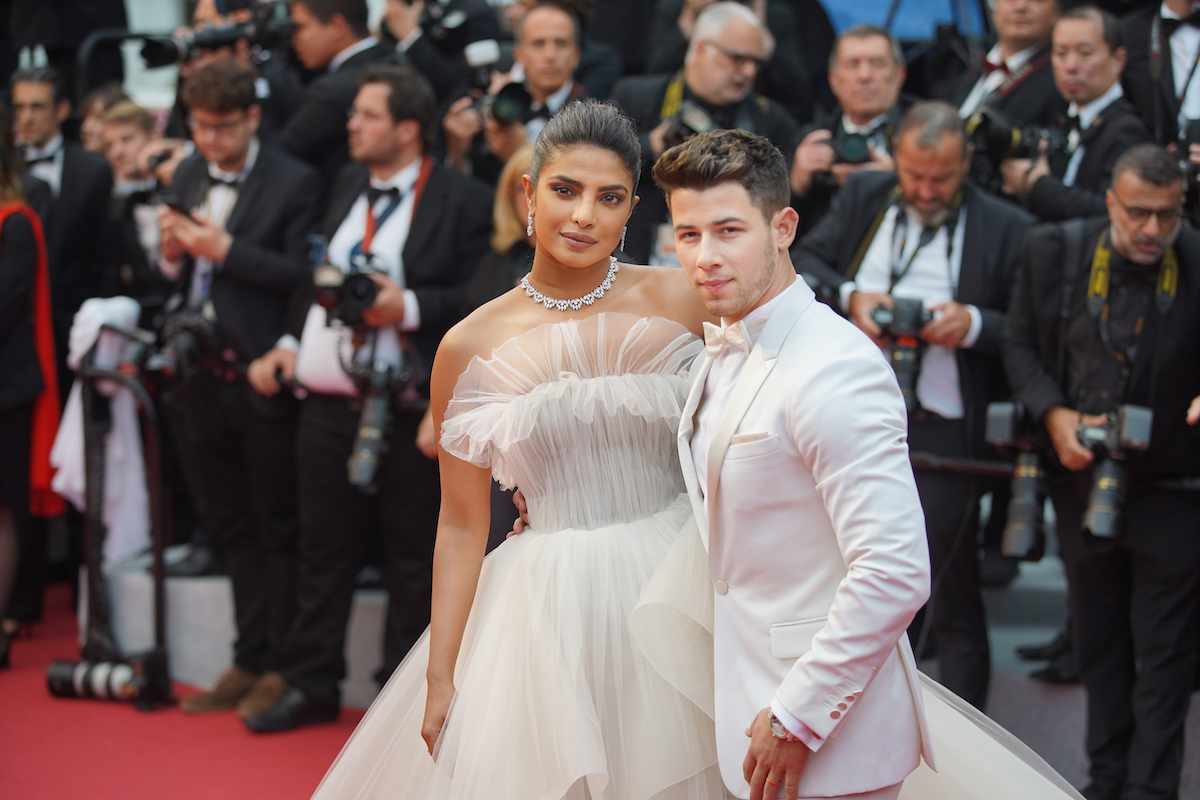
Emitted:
<point x="739" y="60"/>
<point x="226" y="128"/>
<point x="351" y="113"/>
<point x="1167" y="217"/>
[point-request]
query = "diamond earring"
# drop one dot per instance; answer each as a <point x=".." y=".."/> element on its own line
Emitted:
<point x="624" y="231"/>
<point x="529" y="229"/>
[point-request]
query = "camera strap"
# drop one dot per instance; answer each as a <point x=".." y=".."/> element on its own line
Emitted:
<point x="1039" y="60"/>
<point x="900" y="242"/>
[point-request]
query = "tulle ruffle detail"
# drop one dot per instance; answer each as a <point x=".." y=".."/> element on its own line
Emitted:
<point x="554" y="699"/>
<point x="610" y="364"/>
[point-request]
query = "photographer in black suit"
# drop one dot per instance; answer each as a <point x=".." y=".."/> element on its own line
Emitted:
<point x="1104" y="316"/>
<point x="715" y="89"/>
<point x="80" y="184"/>
<point x="430" y="37"/>
<point x="923" y="234"/>
<point x="866" y="71"/>
<point x="1158" y="80"/>
<point x="1087" y="59"/>
<point x="331" y="37"/>
<point x="417" y="230"/>
<point x="237" y="254"/>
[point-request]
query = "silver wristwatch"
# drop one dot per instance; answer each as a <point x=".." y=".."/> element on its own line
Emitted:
<point x="780" y="732"/>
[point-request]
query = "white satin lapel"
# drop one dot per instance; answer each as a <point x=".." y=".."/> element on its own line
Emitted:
<point x="687" y="426"/>
<point x="744" y="392"/>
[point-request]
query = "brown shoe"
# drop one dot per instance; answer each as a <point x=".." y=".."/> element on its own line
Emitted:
<point x="231" y="688"/>
<point x="267" y="692"/>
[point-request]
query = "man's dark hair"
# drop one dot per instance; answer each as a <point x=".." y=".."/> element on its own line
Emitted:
<point x="353" y="11"/>
<point x="588" y="123"/>
<point x="1110" y="26"/>
<point x="221" y="86"/>
<point x="710" y="159"/>
<point x="411" y="95"/>
<point x="576" y="21"/>
<point x="42" y="75"/>
<point x="865" y="31"/>
<point x="932" y="120"/>
<point x="1150" y="163"/>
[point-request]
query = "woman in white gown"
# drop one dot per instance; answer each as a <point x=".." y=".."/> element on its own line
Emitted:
<point x="538" y="679"/>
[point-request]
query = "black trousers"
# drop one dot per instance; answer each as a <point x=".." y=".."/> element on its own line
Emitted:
<point x="1134" y="609"/>
<point x="951" y="505"/>
<point x="339" y="523"/>
<point x="244" y="460"/>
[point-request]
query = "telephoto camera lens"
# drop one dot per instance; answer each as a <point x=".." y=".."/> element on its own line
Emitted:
<point x="1024" y="537"/>
<point x="103" y="680"/>
<point x="1106" y="501"/>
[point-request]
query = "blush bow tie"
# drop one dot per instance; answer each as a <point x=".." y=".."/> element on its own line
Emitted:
<point x="718" y="338"/>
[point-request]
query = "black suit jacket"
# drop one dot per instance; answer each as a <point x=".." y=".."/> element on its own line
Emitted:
<point x="19" y="364"/>
<point x="75" y="235"/>
<point x="991" y="245"/>
<point x="641" y="98"/>
<point x="277" y="210"/>
<point x="448" y="235"/>
<point x="316" y="133"/>
<point x="1154" y="100"/>
<point x="37" y="195"/>
<point x="1112" y="133"/>
<point x="1033" y="334"/>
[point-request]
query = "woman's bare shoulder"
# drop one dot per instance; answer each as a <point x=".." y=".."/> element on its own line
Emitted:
<point x="666" y="292"/>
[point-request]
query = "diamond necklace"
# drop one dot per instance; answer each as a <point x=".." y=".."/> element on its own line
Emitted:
<point x="578" y="302"/>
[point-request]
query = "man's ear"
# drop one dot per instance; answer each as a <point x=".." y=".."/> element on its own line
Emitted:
<point x="784" y="225"/>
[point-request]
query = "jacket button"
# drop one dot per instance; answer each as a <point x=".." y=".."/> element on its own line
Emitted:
<point x="721" y="586"/>
<point x="835" y="714"/>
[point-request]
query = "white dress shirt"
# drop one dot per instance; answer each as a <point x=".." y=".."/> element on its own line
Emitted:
<point x="996" y="78"/>
<point x="553" y="103"/>
<point x="932" y="280"/>
<point x="1087" y="115"/>
<point x="49" y="171"/>
<point x="874" y="130"/>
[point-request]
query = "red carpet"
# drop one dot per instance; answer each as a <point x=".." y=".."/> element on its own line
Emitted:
<point x="54" y="748"/>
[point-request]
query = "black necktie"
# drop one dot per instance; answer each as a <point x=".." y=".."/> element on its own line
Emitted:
<point x="1169" y="26"/>
<point x="46" y="158"/>
<point x="235" y="184"/>
<point x="374" y="194"/>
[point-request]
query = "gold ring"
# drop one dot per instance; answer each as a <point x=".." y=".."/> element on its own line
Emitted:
<point x="771" y="782"/>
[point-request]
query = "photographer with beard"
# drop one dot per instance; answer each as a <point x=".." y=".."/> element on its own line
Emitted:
<point x="235" y="245"/>
<point x="925" y="234"/>
<point x="417" y="230"/>
<point x="715" y="89"/>
<point x="1104" y="316"/>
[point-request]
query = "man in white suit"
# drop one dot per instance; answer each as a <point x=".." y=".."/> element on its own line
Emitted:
<point x="793" y="445"/>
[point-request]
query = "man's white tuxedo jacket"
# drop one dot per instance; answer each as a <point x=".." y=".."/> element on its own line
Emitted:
<point x="817" y="550"/>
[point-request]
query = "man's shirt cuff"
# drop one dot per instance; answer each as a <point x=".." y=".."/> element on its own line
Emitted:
<point x="976" y="326"/>
<point x="289" y="343"/>
<point x="412" y="313"/>
<point x="844" y="291"/>
<point x="170" y="269"/>
<point x="796" y="727"/>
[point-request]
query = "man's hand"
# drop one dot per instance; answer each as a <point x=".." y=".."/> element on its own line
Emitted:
<point x="388" y="308"/>
<point x="880" y="161"/>
<point x="1193" y="413"/>
<point x="814" y="154"/>
<point x="1194" y="153"/>
<point x="404" y="17"/>
<point x="522" y="520"/>
<point x="195" y="234"/>
<point x="1062" y="424"/>
<point x="687" y="15"/>
<point x="861" y="306"/>
<point x="462" y="124"/>
<point x="949" y="325"/>
<point x="261" y="373"/>
<point x="658" y="137"/>
<point x="168" y="243"/>
<point x="772" y="762"/>
<point x="164" y="173"/>
<point x="1020" y="174"/>
<point x="427" y="436"/>
<point x="504" y="140"/>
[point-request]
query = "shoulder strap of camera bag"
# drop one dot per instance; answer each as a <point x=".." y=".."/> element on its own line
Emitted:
<point x="673" y="99"/>
<point x="861" y="252"/>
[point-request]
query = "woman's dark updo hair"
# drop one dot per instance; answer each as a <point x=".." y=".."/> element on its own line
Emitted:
<point x="589" y="122"/>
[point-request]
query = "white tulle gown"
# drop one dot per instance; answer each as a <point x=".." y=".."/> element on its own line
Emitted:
<point x="586" y="665"/>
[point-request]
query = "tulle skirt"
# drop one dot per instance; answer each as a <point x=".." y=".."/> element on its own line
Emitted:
<point x="553" y="698"/>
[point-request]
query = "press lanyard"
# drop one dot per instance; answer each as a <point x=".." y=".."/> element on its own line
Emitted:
<point x="373" y="225"/>
<point x="900" y="241"/>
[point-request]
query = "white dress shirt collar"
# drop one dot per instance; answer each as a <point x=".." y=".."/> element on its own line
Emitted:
<point x="1167" y="13"/>
<point x="240" y="175"/>
<point x="1017" y="59"/>
<point x="1087" y="114"/>
<point x="850" y="127"/>
<point x="354" y="49"/>
<point x="52" y="148"/>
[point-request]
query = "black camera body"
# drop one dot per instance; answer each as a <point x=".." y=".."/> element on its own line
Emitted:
<point x="269" y="26"/>
<point x="188" y="339"/>
<point x="346" y="295"/>
<point x="1124" y="433"/>
<point x="903" y="323"/>
<point x="994" y="136"/>
<point x="690" y="120"/>
<point x="1008" y="426"/>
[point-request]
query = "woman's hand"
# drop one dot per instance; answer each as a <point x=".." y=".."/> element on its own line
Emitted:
<point x="437" y="705"/>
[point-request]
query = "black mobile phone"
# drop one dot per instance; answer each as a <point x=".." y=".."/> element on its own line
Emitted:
<point x="172" y="202"/>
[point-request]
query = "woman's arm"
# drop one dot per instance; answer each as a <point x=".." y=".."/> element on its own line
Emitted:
<point x="461" y="541"/>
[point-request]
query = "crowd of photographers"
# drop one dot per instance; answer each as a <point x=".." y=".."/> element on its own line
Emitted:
<point x="324" y="200"/>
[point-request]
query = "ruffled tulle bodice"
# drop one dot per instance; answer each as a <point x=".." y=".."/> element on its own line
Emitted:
<point x="581" y="415"/>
